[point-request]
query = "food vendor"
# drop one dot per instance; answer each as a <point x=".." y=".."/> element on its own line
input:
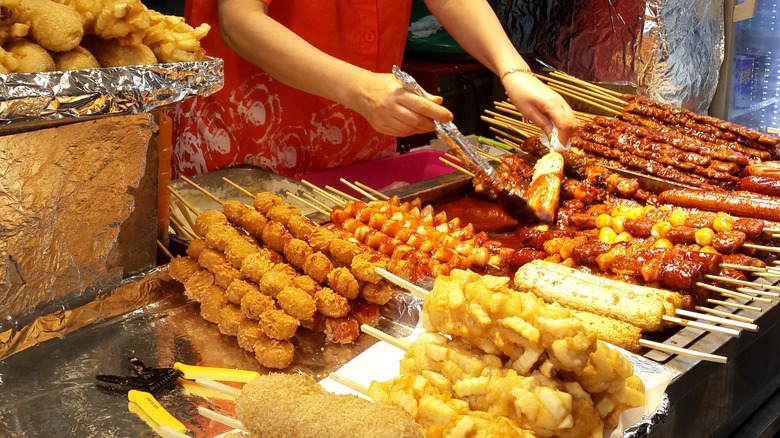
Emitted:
<point x="308" y="84"/>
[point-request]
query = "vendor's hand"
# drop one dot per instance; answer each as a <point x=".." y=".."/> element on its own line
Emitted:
<point x="540" y="104"/>
<point x="391" y="109"/>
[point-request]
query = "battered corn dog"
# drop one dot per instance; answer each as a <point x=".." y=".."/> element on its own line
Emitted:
<point x="619" y="333"/>
<point x="287" y="405"/>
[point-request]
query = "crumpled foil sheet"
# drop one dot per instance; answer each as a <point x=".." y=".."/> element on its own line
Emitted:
<point x="669" y="50"/>
<point x="644" y="427"/>
<point x="50" y="96"/>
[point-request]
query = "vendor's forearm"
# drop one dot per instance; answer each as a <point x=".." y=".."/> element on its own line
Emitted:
<point x="476" y="28"/>
<point x="247" y="30"/>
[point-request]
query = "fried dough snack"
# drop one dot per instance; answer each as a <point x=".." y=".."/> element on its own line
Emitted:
<point x="30" y="57"/>
<point x="110" y="53"/>
<point x="56" y="27"/>
<point x="78" y="58"/>
<point x="112" y="18"/>
<point x="172" y="39"/>
<point x="286" y="405"/>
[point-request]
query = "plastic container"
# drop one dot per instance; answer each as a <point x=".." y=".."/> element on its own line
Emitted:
<point x="385" y="173"/>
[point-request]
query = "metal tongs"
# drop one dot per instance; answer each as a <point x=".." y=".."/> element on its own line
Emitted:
<point x="511" y="200"/>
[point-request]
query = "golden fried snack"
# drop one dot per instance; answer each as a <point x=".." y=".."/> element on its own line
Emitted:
<point x="307" y="284"/>
<point x="264" y="201"/>
<point x="32" y="57"/>
<point x="301" y="227"/>
<point x="343" y="283"/>
<point x="278" y="325"/>
<point x="283" y="213"/>
<point x="253" y="222"/>
<point x="208" y="218"/>
<point x="316" y="324"/>
<point x="218" y="236"/>
<point x="195" y="247"/>
<point x="14" y="20"/>
<point x="285" y="268"/>
<point x="273" y="353"/>
<point x="274" y="282"/>
<point x="377" y="293"/>
<point x="317" y="266"/>
<point x="237" y="289"/>
<point x="237" y="250"/>
<point x="364" y="267"/>
<point x="196" y="285"/>
<point x="110" y="53"/>
<point x="331" y="304"/>
<point x="265" y="405"/>
<point x="181" y="268"/>
<point x="77" y="58"/>
<point x="249" y="333"/>
<point x="320" y="239"/>
<point x="211" y="259"/>
<point x="211" y="303"/>
<point x="8" y="62"/>
<point x="173" y="40"/>
<point x="229" y="319"/>
<point x="254" y="303"/>
<point x="296" y="251"/>
<point x="225" y="275"/>
<point x="233" y="210"/>
<point x="275" y="236"/>
<point x="112" y="18"/>
<point x="54" y="26"/>
<point x="255" y="266"/>
<point x="296" y="303"/>
<point x="343" y="251"/>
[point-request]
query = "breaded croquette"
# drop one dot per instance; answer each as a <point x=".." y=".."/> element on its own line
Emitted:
<point x="78" y="58"/>
<point x="54" y="26"/>
<point x="278" y="325"/>
<point x="110" y="54"/>
<point x="32" y="57"/>
<point x="296" y="303"/>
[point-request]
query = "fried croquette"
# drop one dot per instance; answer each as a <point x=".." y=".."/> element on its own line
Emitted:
<point x="181" y="268"/>
<point x="307" y="284"/>
<point x="377" y="293"/>
<point x="274" y="281"/>
<point x="196" y="285"/>
<point x="32" y="57"/>
<point x="237" y="289"/>
<point x="273" y="353"/>
<point x="254" y="304"/>
<point x="54" y="26"/>
<point x="195" y="247"/>
<point x="264" y="201"/>
<point x="233" y="210"/>
<point x="343" y="283"/>
<point x="253" y="222"/>
<point x="296" y="251"/>
<point x="218" y="236"/>
<point x="343" y="251"/>
<point x="206" y="219"/>
<point x="317" y="266"/>
<point x="229" y="319"/>
<point x="255" y="266"/>
<point x="278" y="325"/>
<point x="320" y="239"/>
<point x="77" y="58"/>
<point x="237" y="250"/>
<point x="301" y="227"/>
<point x="265" y="404"/>
<point x="211" y="303"/>
<point x="249" y="333"/>
<point x="283" y="213"/>
<point x="296" y="303"/>
<point x="275" y="236"/>
<point x="110" y="53"/>
<point x="331" y="304"/>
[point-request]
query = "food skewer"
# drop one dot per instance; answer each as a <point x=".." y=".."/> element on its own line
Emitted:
<point x="222" y="419"/>
<point x="734" y="305"/>
<point x="317" y="201"/>
<point x="380" y="195"/>
<point x="359" y="190"/>
<point x="307" y="203"/>
<point x="731" y="294"/>
<point x="456" y="167"/>
<point x="323" y="193"/>
<point x="164" y="250"/>
<point x="238" y="187"/>
<point x="183" y="200"/>
<point x="201" y="189"/>
<point x="186" y="214"/>
<point x="340" y="193"/>
<point x="723" y="314"/>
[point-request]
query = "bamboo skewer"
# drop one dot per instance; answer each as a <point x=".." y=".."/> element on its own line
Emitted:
<point x="505" y="135"/>
<point x="165" y="250"/>
<point x="184" y="201"/>
<point x="220" y="418"/>
<point x="749" y="291"/>
<point x="742" y="267"/>
<point x="342" y="194"/>
<point x="723" y="314"/>
<point x="588" y="91"/>
<point x="742" y="282"/>
<point x="239" y="188"/>
<point x="717" y="320"/>
<point x="682" y="351"/>
<point x="317" y="201"/>
<point x="324" y="194"/>
<point x="731" y="294"/>
<point x="378" y="194"/>
<point x="456" y="167"/>
<point x="608" y="109"/>
<point x="182" y="229"/>
<point x="401" y="344"/>
<point x="186" y="214"/>
<point x="360" y="389"/>
<point x="358" y="189"/>
<point x="507" y="126"/>
<point x="761" y="247"/>
<point x="734" y="305"/>
<point x="587" y="84"/>
<point x="202" y="190"/>
<point x="307" y="203"/>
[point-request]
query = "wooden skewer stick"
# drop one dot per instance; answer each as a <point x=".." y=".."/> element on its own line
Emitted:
<point x="415" y="290"/>
<point x="742" y="267"/>
<point x="505" y="135"/>
<point x="700" y="325"/>
<point x="507" y="127"/>
<point x="750" y="291"/>
<point x="771" y="230"/>
<point x="723" y="314"/>
<point x="239" y="188"/>
<point x="489" y="156"/>
<point x="378" y="194"/>
<point x="307" y="203"/>
<point x="402" y="344"/>
<point x="184" y="201"/>
<point x="324" y="194"/>
<point x="164" y="250"/>
<point x="731" y="294"/>
<point x="360" y="389"/>
<point x="742" y="282"/>
<point x="734" y="305"/>
<point x="223" y="419"/>
<point x="584" y="116"/>
<point x="186" y="214"/>
<point x="340" y="193"/>
<point x="202" y="190"/>
<point x="219" y="387"/>
<point x="182" y="230"/>
<point x="358" y="189"/>
<point x="588" y="91"/>
<point x="316" y="201"/>
<point x="608" y="109"/>
<point x="767" y="274"/>
<point x="717" y="320"/>
<point x="169" y="432"/>
<point x="177" y="212"/>
<point x="587" y="84"/>
<point x="761" y="247"/>
<point x="682" y="351"/>
<point x="456" y="167"/>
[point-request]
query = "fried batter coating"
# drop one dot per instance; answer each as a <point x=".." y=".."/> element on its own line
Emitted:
<point x="283" y="213"/>
<point x="253" y="222"/>
<point x="181" y="268"/>
<point x="317" y="266"/>
<point x="14" y="21"/>
<point x="77" y="58"/>
<point x="285" y="268"/>
<point x="211" y="303"/>
<point x="343" y="283"/>
<point x="32" y="57"/>
<point x="196" y="285"/>
<point x="195" y="247"/>
<point x="274" y="281"/>
<point x="275" y="236"/>
<point x="401" y="268"/>
<point x="320" y="239"/>
<point x="233" y="210"/>
<point x="206" y="219"/>
<point x="301" y="227"/>
<point x="343" y="251"/>
<point x="296" y="251"/>
<point x="278" y="325"/>
<point x="307" y="284"/>
<point x="218" y="236"/>
<point x="255" y="266"/>
<point x="110" y="53"/>
<point x="273" y="353"/>
<point x="229" y="319"/>
<point x="264" y="201"/>
<point x="331" y="304"/>
<point x="237" y="289"/>
<point x="210" y="259"/>
<point x="172" y="39"/>
<point x="249" y="333"/>
<point x="224" y="275"/>
<point x="237" y="250"/>
<point x="265" y="403"/>
<point x="296" y="303"/>
<point x="378" y="293"/>
<point x="54" y="26"/>
<point x="342" y="330"/>
<point x="364" y="267"/>
<point x="254" y="303"/>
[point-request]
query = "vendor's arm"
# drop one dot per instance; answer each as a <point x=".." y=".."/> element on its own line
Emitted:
<point x="249" y="31"/>
<point x="476" y="28"/>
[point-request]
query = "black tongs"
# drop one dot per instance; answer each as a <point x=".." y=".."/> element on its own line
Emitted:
<point x="511" y="200"/>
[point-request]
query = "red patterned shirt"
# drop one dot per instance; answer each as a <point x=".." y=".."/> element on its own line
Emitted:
<point x="257" y="120"/>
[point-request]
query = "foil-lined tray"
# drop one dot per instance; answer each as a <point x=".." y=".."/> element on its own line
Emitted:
<point x="30" y="100"/>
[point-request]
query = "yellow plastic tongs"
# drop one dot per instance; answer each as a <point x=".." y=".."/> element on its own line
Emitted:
<point x="145" y="382"/>
<point x="509" y="198"/>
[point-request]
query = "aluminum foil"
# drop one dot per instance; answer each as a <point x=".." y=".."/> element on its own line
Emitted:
<point x="35" y="98"/>
<point x="670" y="50"/>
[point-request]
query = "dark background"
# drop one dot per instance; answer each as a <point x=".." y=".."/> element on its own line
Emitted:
<point x="167" y="7"/>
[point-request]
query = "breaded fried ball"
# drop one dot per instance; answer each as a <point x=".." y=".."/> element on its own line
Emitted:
<point x="272" y="353"/>
<point x="208" y="218"/>
<point x="307" y="284"/>
<point x="275" y="236"/>
<point x="296" y="251"/>
<point x="218" y="236"/>
<point x="211" y="303"/>
<point x="249" y="333"/>
<point x="195" y="287"/>
<point x="364" y="267"/>
<point x="254" y="304"/>
<point x="195" y="247"/>
<point x="264" y="201"/>
<point x="301" y="227"/>
<point x="253" y="222"/>
<point x="110" y="53"/>
<point x="32" y="57"/>
<point x="378" y="293"/>
<point x="233" y="210"/>
<point x="343" y="251"/>
<point x="229" y="319"/>
<point x="320" y="239"/>
<point x="255" y="266"/>
<point x="278" y="325"/>
<point x="181" y="268"/>
<point x="56" y="27"/>
<point x="315" y="324"/>
<point x="225" y="275"/>
<point x="237" y="250"/>
<point x="78" y="58"/>
<point x="331" y="304"/>
<point x="282" y="213"/>
<point x="296" y="303"/>
<point x="210" y="259"/>
<point x="344" y="283"/>
<point x="285" y="268"/>
<point x="317" y="266"/>
<point x="274" y="281"/>
<point x="237" y="289"/>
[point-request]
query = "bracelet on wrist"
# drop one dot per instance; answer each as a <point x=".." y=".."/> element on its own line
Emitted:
<point x="516" y="70"/>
